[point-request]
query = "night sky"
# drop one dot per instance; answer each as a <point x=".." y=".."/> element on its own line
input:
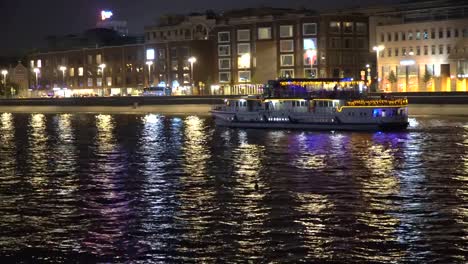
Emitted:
<point x="26" y="23"/>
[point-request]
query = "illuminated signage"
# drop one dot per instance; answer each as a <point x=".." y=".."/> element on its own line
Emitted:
<point x="310" y="51"/>
<point x="106" y="14"/>
<point x="407" y="62"/>
<point x="150" y="54"/>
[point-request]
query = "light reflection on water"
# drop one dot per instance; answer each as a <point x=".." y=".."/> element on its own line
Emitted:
<point x="117" y="188"/>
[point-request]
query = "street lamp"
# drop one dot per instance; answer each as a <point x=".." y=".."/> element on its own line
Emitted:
<point x="63" y="69"/>
<point x="4" y="73"/>
<point x="36" y="71"/>
<point x="149" y="63"/>
<point x="377" y="50"/>
<point x="192" y="60"/>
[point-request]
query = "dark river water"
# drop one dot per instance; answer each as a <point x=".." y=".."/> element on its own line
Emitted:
<point x="149" y="188"/>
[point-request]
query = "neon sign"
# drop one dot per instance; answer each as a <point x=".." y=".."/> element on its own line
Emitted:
<point x="106" y="14"/>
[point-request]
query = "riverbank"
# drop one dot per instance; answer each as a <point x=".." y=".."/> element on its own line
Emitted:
<point x="162" y="109"/>
<point x="203" y="109"/>
<point x="419" y="104"/>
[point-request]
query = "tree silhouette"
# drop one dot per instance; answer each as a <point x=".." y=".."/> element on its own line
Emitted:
<point x="392" y="78"/>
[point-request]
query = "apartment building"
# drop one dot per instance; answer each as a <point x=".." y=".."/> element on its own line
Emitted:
<point x="257" y="45"/>
<point x="424" y="47"/>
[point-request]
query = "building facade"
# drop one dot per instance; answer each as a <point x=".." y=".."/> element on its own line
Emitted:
<point x="105" y="71"/>
<point x="257" y="45"/>
<point x="424" y="47"/>
<point x="234" y="52"/>
<point x="180" y="49"/>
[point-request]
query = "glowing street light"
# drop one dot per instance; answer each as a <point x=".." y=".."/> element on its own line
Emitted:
<point x="192" y="60"/>
<point x="377" y="50"/>
<point x="36" y="71"/>
<point x="63" y="69"/>
<point x="102" y="67"/>
<point x="4" y="73"/>
<point x="149" y="63"/>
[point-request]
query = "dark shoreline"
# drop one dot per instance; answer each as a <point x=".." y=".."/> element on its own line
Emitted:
<point x="413" y="98"/>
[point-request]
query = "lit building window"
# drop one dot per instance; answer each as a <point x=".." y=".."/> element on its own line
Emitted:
<point x="99" y="82"/>
<point x="287" y="60"/>
<point x="90" y="82"/>
<point x="186" y="77"/>
<point x="244" y="76"/>
<point x="286" y="31"/>
<point x="72" y="72"/>
<point x="310" y="73"/>
<point x="39" y="63"/>
<point x="264" y="33"/>
<point x="348" y="27"/>
<point x="98" y="59"/>
<point x="287" y="73"/>
<point x="224" y="77"/>
<point x="309" y="29"/>
<point x="418" y="35"/>
<point x="243" y="35"/>
<point x="224" y="37"/>
<point x="335" y="27"/>
<point x="243" y="62"/>
<point x="32" y="63"/>
<point x="174" y="65"/>
<point x="80" y="71"/>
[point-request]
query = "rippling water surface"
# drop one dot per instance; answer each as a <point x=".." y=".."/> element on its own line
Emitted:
<point x="129" y="188"/>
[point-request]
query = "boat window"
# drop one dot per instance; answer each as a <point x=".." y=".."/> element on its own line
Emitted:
<point x="293" y="104"/>
<point x="376" y="113"/>
<point x="237" y="104"/>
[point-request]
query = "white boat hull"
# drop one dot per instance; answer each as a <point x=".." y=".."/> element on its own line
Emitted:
<point x="226" y="120"/>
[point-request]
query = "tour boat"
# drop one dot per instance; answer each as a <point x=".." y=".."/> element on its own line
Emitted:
<point x="295" y="104"/>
